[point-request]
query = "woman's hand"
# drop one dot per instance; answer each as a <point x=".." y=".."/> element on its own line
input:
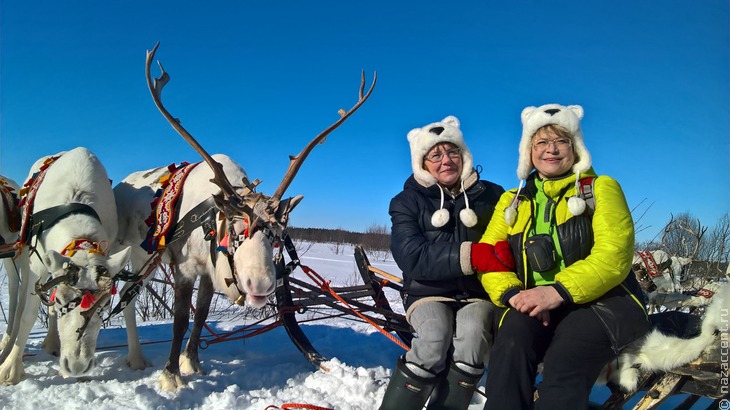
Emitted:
<point x="537" y="302"/>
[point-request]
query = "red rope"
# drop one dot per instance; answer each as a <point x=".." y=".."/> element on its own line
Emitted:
<point x="325" y="286"/>
<point x="297" y="406"/>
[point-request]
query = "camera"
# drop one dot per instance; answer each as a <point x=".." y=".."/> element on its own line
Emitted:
<point x="540" y="252"/>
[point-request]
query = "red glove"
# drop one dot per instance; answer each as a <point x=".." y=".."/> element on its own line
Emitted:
<point x="492" y="258"/>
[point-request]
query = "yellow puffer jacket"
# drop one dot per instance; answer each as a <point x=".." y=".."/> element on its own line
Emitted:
<point x="592" y="269"/>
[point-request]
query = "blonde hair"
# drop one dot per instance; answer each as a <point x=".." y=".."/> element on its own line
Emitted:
<point x="559" y="132"/>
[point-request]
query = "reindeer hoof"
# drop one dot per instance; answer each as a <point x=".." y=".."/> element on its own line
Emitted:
<point x="170" y="382"/>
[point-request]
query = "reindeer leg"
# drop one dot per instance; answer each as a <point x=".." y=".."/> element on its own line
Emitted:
<point x="52" y="342"/>
<point x="189" y="361"/>
<point x="135" y="358"/>
<point x="170" y="379"/>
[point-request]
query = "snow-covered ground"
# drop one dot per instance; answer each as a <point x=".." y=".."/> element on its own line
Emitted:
<point x="253" y="373"/>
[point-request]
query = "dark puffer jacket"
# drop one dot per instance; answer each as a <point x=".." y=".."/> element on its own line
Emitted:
<point x="430" y="257"/>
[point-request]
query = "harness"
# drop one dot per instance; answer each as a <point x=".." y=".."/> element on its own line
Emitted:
<point x="33" y="224"/>
<point x="10" y="204"/>
<point x="203" y="215"/>
<point x="165" y="207"/>
<point x="45" y="219"/>
<point x="28" y="193"/>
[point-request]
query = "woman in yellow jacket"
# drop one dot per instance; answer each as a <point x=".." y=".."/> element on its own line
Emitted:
<point x="565" y="272"/>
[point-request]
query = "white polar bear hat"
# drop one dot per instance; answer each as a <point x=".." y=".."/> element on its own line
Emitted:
<point x="421" y="141"/>
<point x="534" y="118"/>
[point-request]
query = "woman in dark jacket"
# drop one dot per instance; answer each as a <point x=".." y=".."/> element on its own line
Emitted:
<point x="434" y="224"/>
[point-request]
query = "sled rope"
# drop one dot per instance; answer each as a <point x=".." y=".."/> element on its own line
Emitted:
<point x="325" y="286"/>
<point x="286" y="406"/>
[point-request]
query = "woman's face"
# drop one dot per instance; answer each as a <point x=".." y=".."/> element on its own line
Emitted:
<point x="444" y="163"/>
<point x="552" y="155"/>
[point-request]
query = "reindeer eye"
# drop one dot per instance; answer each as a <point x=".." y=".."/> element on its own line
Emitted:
<point x="101" y="271"/>
<point x="72" y="271"/>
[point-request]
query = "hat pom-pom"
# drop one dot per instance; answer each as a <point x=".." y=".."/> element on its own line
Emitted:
<point x="510" y="215"/>
<point x="576" y="205"/>
<point x="439" y="218"/>
<point x="468" y="217"/>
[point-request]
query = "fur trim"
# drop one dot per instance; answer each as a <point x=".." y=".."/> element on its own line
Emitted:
<point x="661" y="352"/>
<point x="533" y="118"/>
<point x="465" y="258"/>
<point x="423" y="139"/>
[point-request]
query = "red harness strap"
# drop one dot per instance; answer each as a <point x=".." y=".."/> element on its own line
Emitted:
<point x="705" y="293"/>
<point x="10" y="204"/>
<point x="163" y="216"/>
<point x="28" y="193"/>
<point x="84" y="245"/>
<point x="651" y="267"/>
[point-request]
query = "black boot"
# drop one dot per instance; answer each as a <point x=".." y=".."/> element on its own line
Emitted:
<point x="455" y="390"/>
<point x="406" y="390"/>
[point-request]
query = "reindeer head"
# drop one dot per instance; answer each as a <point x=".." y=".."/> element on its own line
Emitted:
<point x="256" y="222"/>
<point x="81" y="287"/>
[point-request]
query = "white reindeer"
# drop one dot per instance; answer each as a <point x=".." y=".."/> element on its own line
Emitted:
<point x="247" y="224"/>
<point x="670" y="270"/>
<point x="9" y="233"/>
<point x="69" y="220"/>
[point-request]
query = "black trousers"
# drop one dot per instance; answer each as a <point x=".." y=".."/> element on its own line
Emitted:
<point x="573" y="348"/>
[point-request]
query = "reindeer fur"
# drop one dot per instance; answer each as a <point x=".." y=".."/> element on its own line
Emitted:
<point x="11" y="271"/>
<point x="76" y="177"/>
<point x="659" y="352"/>
<point x="191" y="258"/>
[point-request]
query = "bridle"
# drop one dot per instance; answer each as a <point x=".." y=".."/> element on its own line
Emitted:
<point x="90" y="301"/>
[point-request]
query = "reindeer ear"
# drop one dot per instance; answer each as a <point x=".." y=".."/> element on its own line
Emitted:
<point x="285" y="206"/>
<point x="54" y="261"/>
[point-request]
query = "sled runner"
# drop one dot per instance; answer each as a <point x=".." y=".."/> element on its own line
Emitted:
<point x="366" y="302"/>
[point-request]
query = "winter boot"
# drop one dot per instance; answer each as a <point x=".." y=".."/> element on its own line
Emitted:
<point x="455" y="390"/>
<point x="409" y="387"/>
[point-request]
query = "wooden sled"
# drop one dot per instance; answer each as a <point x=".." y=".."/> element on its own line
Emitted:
<point x="295" y="296"/>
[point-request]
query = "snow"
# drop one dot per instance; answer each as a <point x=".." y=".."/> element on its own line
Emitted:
<point x="251" y="373"/>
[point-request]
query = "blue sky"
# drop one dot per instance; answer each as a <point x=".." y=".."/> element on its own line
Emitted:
<point x="258" y="79"/>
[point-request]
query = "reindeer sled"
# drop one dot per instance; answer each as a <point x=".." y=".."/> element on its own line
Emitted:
<point x="235" y="240"/>
<point x="209" y="225"/>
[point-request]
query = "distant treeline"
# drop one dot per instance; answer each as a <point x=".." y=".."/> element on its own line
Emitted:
<point x="374" y="238"/>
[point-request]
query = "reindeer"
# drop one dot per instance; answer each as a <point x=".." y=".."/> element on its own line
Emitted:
<point x="69" y="220"/>
<point x="9" y="229"/>
<point x="662" y="274"/>
<point x="247" y="224"/>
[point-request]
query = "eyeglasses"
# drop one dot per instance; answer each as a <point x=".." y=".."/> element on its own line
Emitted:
<point x="438" y="156"/>
<point x="560" y="143"/>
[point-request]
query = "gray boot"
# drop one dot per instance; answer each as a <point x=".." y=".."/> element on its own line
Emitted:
<point x="406" y="389"/>
<point x="455" y="390"/>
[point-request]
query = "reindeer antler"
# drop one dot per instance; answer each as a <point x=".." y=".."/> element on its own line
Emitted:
<point x="295" y="162"/>
<point x="681" y="224"/>
<point x="155" y="86"/>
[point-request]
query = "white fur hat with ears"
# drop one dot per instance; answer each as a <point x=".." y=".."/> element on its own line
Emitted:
<point x="421" y="141"/>
<point x="533" y="118"/>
